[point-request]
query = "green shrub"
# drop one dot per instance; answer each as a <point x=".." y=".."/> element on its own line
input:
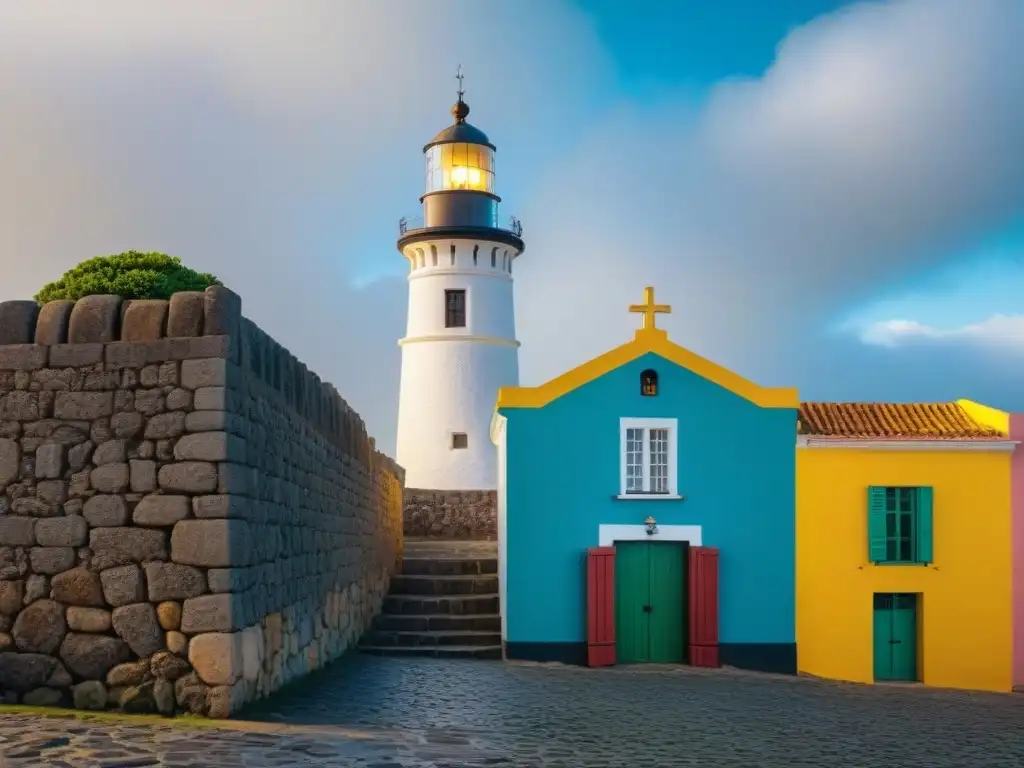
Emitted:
<point x="131" y="275"/>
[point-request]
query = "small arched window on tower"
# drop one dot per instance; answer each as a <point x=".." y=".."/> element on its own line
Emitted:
<point x="649" y="383"/>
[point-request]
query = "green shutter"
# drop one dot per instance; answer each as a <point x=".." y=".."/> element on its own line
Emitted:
<point x="923" y="534"/>
<point x="876" y="524"/>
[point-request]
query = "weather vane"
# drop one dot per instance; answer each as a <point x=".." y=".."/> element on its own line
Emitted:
<point x="459" y="76"/>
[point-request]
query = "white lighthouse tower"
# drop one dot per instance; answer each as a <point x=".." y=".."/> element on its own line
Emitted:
<point x="460" y="345"/>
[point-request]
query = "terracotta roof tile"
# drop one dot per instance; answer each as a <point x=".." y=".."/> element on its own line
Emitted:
<point x="932" y="421"/>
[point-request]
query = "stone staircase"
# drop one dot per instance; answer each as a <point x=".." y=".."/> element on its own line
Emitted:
<point x="444" y="603"/>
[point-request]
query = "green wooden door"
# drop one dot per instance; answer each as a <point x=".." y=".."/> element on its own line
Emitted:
<point x="649" y="591"/>
<point x="666" y="602"/>
<point x="632" y="590"/>
<point x="895" y="637"/>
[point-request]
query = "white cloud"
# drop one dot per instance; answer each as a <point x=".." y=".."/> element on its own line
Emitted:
<point x="1003" y="332"/>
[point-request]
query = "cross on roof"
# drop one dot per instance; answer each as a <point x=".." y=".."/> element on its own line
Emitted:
<point x="459" y="76"/>
<point x="649" y="309"/>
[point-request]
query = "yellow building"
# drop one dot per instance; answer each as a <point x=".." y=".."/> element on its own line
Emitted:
<point x="903" y="544"/>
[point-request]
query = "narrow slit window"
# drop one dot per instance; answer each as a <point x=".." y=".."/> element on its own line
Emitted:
<point x="455" y="309"/>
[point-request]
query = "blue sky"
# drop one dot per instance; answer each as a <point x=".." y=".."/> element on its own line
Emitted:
<point x="830" y="195"/>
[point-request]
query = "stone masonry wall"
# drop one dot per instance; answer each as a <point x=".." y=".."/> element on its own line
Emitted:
<point x="189" y="518"/>
<point x="451" y="514"/>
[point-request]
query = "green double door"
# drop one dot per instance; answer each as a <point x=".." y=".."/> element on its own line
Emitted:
<point x="895" y="641"/>
<point x="649" y="602"/>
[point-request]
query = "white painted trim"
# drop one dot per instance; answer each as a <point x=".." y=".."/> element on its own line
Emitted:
<point x="459" y="337"/>
<point x="607" y="535"/>
<point x="672" y="425"/>
<point x="430" y="271"/>
<point x="649" y="496"/>
<point x="871" y="444"/>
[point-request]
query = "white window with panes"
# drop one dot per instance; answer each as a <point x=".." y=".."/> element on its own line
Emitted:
<point x="647" y="450"/>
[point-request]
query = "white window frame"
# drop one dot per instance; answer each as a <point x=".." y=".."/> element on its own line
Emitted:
<point x="672" y="425"/>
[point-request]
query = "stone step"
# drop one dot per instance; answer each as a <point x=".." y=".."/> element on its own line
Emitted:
<point x="422" y="566"/>
<point x="405" y="584"/>
<point x="387" y="639"/>
<point x="440" y="651"/>
<point x="451" y="605"/>
<point x="478" y="622"/>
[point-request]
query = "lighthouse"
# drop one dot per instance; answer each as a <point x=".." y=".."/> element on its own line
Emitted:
<point x="460" y="344"/>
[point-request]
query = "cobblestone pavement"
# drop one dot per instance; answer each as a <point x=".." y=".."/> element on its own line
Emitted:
<point x="381" y="712"/>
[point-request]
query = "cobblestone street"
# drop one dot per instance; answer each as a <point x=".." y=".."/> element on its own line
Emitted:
<point x="396" y="713"/>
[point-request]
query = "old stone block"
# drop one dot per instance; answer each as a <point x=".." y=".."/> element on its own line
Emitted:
<point x="79" y="455"/>
<point x="94" y="319"/>
<point x="90" y="696"/>
<point x="49" y="461"/>
<point x="221" y="506"/>
<point x="188" y="477"/>
<point x="185" y="315"/>
<point x="22" y="672"/>
<point x="142" y="474"/>
<point x="52" y="492"/>
<point x="214" y="421"/>
<point x="121" y="546"/>
<point x="62" y="532"/>
<point x="164" y="426"/>
<point x="179" y="400"/>
<point x="177" y="643"/>
<point x="171" y="581"/>
<point x="40" y="627"/>
<point x="123" y="585"/>
<point x="105" y="511"/>
<point x="18" y="322"/>
<point x="23" y="357"/>
<point x="129" y="673"/>
<point x="83" y="406"/>
<point x="167" y="666"/>
<point x="17" y="531"/>
<point x="11" y="595"/>
<point x="223" y="312"/>
<point x="210" y="446"/>
<point x="10" y="462"/>
<point x="91" y="657"/>
<point x="88" y="619"/>
<point x="168" y="613"/>
<point x="126" y="426"/>
<point x="190" y="693"/>
<point x="130" y="354"/>
<point x="211" y="613"/>
<point x="60" y="677"/>
<point x="75" y="355"/>
<point x="216" y="399"/>
<point x="136" y="624"/>
<point x="78" y="586"/>
<point x="158" y="509"/>
<point x="237" y="479"/>
<point x="51" y="560"/>
<point x="52" y="323"/>
<point x="209" y="372"/>
<point x="110" y="452"/>
<point x="42" y="697"/>
<point x="20" y="406"/>
<point x="216" y="657"/>
<point x="144" y="320"/>
<point x="37" y="587"/>
<point x="110" y="478"/>
<point x="149" y="402"/>
<point x="212" y="543"/>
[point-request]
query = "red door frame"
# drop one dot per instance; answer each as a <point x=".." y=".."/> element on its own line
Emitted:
<point x="702" y="581"/>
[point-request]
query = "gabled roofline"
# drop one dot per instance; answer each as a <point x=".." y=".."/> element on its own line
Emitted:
<point x="646" y="340"/>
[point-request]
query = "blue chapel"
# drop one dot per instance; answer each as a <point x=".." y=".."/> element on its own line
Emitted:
<point x="646" y="512"/>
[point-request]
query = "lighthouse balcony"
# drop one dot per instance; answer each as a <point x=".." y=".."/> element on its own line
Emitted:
<point x="508" y="230"/>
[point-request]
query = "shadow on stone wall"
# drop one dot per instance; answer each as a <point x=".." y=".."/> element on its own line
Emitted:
<point x="189" y="517"/>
